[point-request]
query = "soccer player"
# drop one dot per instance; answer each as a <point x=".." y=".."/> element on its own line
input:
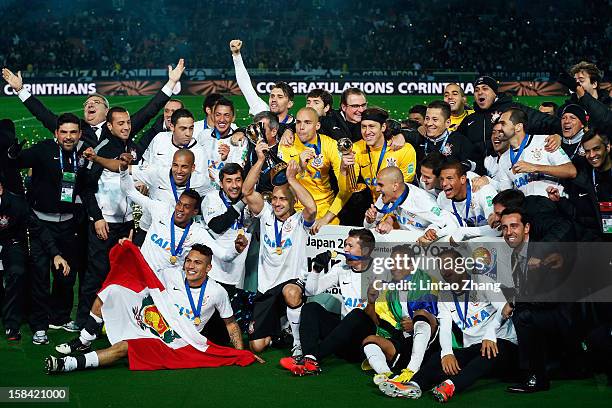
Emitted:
<point x="491" y="162"/>
<point x="226" y="217"/>
<point x="471" y="208"/>
<point x="317" y="156"/>
<point x="161" y="150"/>
<point x="323" y="333"/>
<point x="438" y="136"/>
<point x="188" y="282"/>
<point x="281" y="96"/>
<point x="413" y="208"/>
<point x="282" y="259"/>
<point x="455" y="97"/>
<point x="527" y="165"/>
<point x="369" y="156"/>
<point x="489" y="342"/>
<point x="406" y="320"/>
<point x="163" y="184"/>
<point x="208" y="121"/>
<point x="220" y="142"/>
<point x="429" y="168"/>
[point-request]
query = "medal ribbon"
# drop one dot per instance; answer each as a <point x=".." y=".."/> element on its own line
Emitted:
<point x="196" y="310"/>
<point x="278" y="233"/>
<point x="468" y="202"/>
<point x="239" y="222"/>
<point x="400" y="200"/>
<point x="515" y="157"/>
<point x="173" y="185"/>
<point x="174" y="251"/>
<point x="462" y="315"/>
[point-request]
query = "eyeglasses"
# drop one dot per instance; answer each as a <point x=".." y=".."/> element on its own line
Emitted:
<point x="357" y="106"/>
<point x="95" y="102"/>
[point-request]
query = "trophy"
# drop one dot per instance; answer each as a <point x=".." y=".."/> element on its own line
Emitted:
<point x="256" y="133"/>
<point x="345" y="146"/>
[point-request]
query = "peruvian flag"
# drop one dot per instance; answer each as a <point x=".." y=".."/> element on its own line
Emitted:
<point x="138" y="308"/>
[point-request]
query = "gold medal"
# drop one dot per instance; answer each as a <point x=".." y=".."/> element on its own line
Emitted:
<point x="241" y="231"/>
<point x="279" y="250"/>
<point x="173" y="259"/>
<point x="197" y="320"/>
<point x="334" y="254"/>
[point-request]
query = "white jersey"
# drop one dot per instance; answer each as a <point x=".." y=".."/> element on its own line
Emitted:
<point x="156" y="248"/>
<point x="214" y="164"/>
<point x="158" y="180"/>
<point x="491" y="164"/>
<point x="532" y="183"/>
<point x="215" y="297"/>
<point x="475" y="224"/>
<point x="161" y="151"/>
<point x="275" y="268"/>
<point x="419" y="212"/>
<point x="482" y="320"/>
<point x="231" y="273"/>
<point x="256" y="104"/>
<point x="202" y="125"/>
<point x="343" y="277"/>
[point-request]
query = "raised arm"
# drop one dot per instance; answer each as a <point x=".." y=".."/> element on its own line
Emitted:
<point x="127" y="184"/>
<point x="301" y="194"/>
<point x="252" y="198"/>
<point x="256" y="104"/>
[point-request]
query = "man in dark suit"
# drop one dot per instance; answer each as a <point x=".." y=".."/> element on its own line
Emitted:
<point x="95" y="107"/>
<point x="8" y="171"/>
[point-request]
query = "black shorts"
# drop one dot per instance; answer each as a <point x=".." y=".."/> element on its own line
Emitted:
<point x="403" y="348"/>
<point x="268" y="308"/>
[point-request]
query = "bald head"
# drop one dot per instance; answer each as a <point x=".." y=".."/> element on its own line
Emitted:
<point x="184" y="154"/>
<point x="391" y="175"/>
<point x="307" y="124"/>
<point x="310" y="112"/>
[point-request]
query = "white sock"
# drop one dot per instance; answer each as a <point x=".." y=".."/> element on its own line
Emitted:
<point x="293" y="316"/>
<point x="376" y="358"/>
<point x="70" y="363"/>
<point x="422" y="333"/>
<point x="91" y="359"/>
<point x="96" y="318"/>
<point x="86" y="337"/>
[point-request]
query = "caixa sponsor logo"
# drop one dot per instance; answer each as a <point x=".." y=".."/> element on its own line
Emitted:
<point x="285" y="243"/>
<point x="164" y="244"/>
<point x="409" y="221"/>
<point x="526" y="179"/>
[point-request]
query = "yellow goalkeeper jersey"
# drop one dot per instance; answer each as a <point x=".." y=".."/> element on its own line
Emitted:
<point x="316" y="176"/>
<point x="456" y="120"/>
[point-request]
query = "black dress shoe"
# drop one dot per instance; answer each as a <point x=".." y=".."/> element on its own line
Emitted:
<point x="532" y="384"/>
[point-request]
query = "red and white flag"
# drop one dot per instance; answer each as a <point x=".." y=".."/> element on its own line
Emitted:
<point x="138" y="308"/>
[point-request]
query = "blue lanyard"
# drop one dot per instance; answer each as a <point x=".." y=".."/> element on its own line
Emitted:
<point x="174" y="251"/>
<point x="514" y="158"/>
<point x="216" y="133"/>
<point x="173" y="185"/>
<point x="239" y="223"/>
<point x="441" y="146"/>
<point x="61" y="160"/>
<point x="278" y="233"/>
<point x="206" y="122"/>
<point x="286" y="118"/>
<point x="468" y="202"/>
<point x="387" y="210"/>
<point x="317" y="147"/>
<point x="196" y="310"/>
<point x="380" y="159"/>
<point x="351" y="257"/>
<point x="462" y="316"/>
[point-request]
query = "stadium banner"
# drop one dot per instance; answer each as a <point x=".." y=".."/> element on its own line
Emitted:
<point x="227" y="87"/>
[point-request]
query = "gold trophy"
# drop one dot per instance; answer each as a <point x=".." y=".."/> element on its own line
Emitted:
<point x="345" y="146"/>
<point x="256" y="133"/>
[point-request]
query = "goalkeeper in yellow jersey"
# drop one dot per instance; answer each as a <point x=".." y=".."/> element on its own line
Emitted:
<point x="317" y="156"/>
<point x="372" y="154"/>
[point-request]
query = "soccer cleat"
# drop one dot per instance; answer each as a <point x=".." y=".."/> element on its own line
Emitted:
<point x="396" y="389"/>
<point x="71" y="327"/>
<point x="365" y="365"/>
<point x="40" y="337"/>
<point x="13" y="335"/>
<point x="301" y="366"/>
<point x="54" y="365"/>
<point x="73" y="346"/>
<point x="444" y="391"/>
<point x="382" y="377"/>
<point x="404" y="377"/>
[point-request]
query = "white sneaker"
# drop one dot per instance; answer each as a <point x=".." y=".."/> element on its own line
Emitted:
<point x="296" y="351"/>
<point x="40" y="337"/>
<point x="71" y="327"/>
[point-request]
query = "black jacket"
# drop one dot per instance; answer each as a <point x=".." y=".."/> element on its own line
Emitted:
<point x="45" y="191"/>
<point x="138" y="119"/>
<point x="600" y="114"/>
<point x="335" y="126"/>
<point x="9" y="173"/>
<point x="478" y="126"/>
<point x="15" y="215"/>
<point x="457" y="146"/>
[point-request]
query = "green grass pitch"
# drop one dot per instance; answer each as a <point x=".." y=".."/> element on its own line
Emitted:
<point x="267" y="385"/>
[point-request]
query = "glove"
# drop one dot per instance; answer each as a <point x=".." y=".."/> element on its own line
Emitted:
<point x="320" y="261"/>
